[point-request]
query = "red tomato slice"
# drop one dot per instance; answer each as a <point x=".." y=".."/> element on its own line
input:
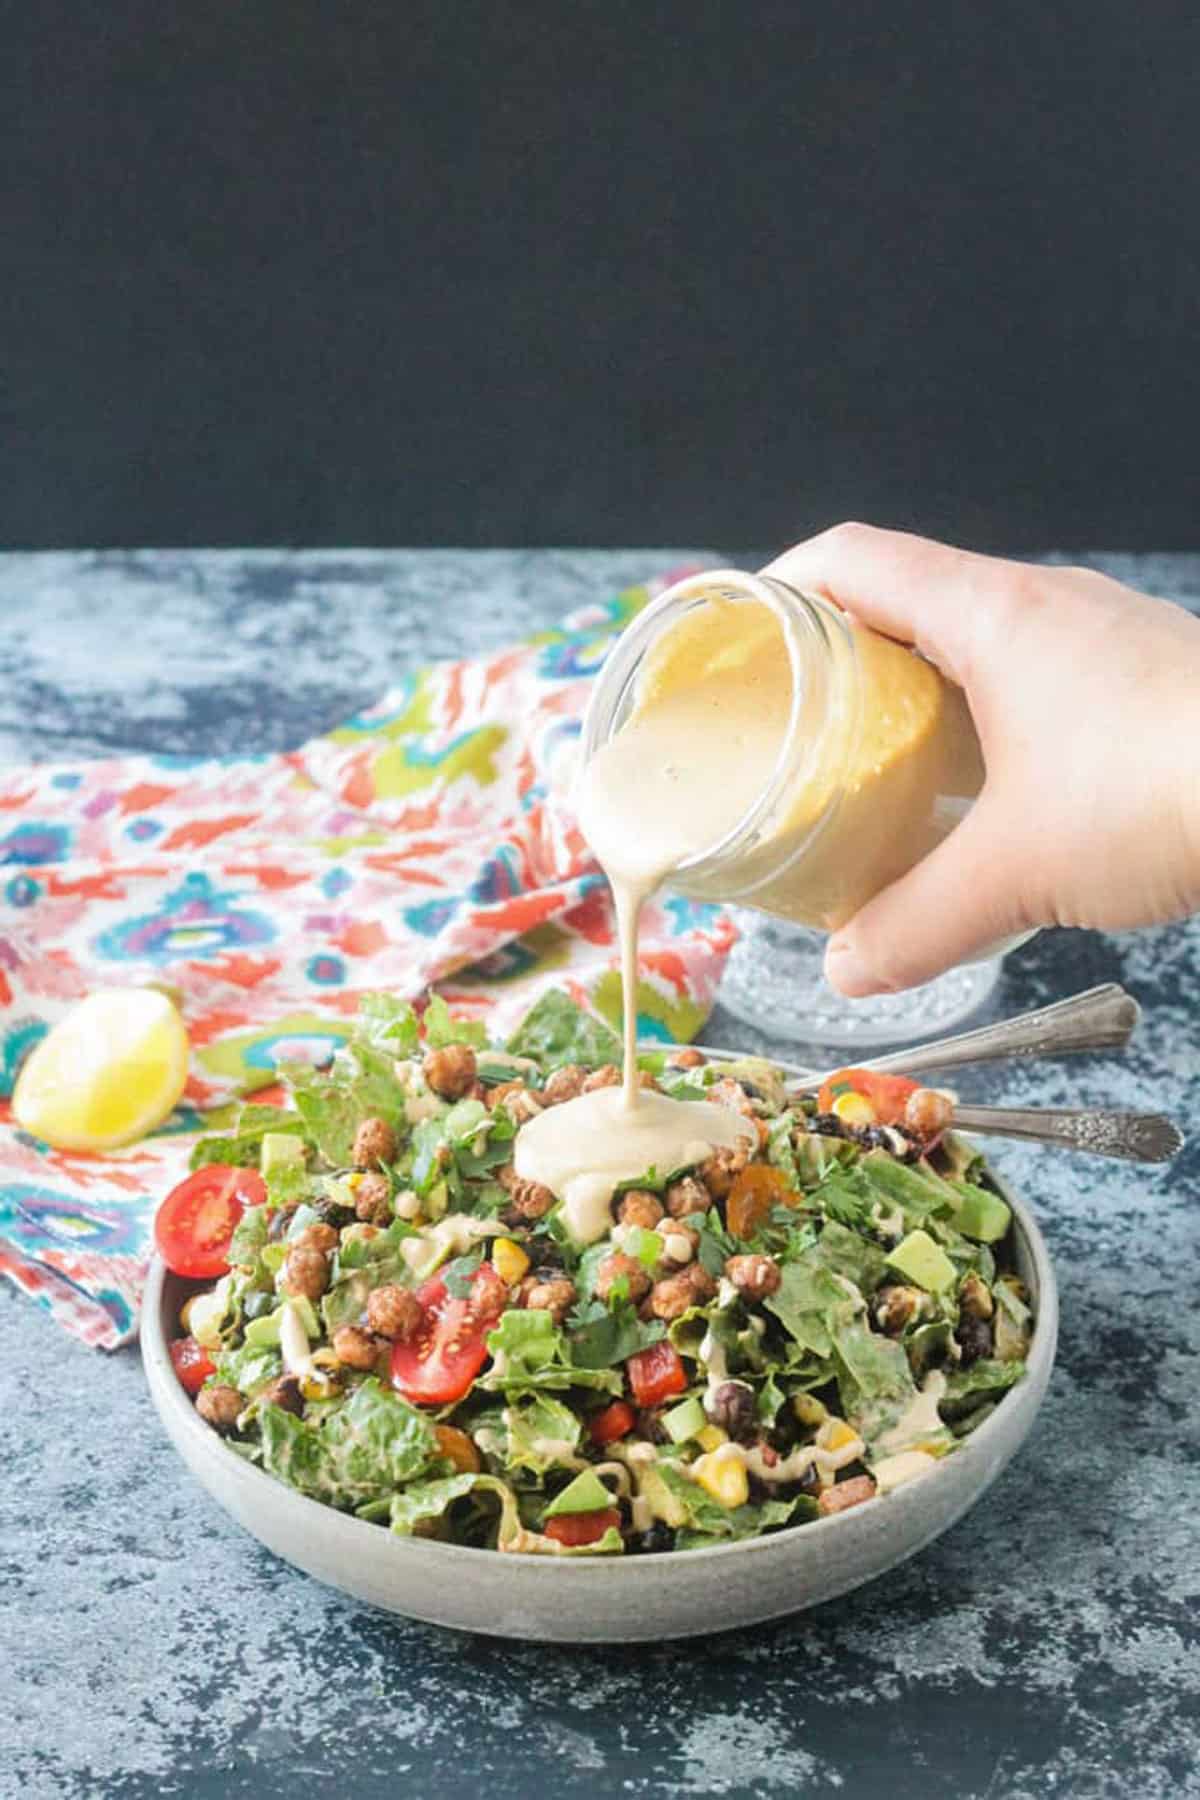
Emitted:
<point x="191" y="1362"/>
<point x="655" y="1374"/>
<point x="440" y="1363"/>
<point x="195" y="1222"/>
<point x="616" y="1421"/>
<point x="888" y="1094"/>
<point x="574" y="1529"/>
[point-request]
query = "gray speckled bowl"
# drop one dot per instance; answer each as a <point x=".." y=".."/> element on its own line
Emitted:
<point x="678" y="1594"/>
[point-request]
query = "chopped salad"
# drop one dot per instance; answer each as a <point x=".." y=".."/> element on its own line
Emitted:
<point x="398" y="1325"/>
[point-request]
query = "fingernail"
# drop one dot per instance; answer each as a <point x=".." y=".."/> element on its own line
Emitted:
<point x="845" y="970"/>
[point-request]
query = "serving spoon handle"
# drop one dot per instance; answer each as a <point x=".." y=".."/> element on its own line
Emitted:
<point x="1131" y="1136"/>
<point x="1102" y="1018"/>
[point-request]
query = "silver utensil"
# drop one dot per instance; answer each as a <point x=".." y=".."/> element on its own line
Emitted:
<point x="1102" y="1018"/>
<point x="1132" y="1136"/>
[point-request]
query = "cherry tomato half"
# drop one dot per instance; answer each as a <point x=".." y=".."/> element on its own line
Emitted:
<point x="574" y="1529"/>
<point x="616" y="1421"/>
<point x="195" y="1222"/>
<point x="441" y="1361"/>
<point x="655" y="1374"/>
<point x="888" y="1094"/>
<point x="191" y="1362"/>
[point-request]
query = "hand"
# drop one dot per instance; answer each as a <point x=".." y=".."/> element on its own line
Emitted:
<point x="1086" y="697"/>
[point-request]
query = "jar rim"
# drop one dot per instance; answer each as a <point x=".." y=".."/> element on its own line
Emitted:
<point x="624" y="658"/>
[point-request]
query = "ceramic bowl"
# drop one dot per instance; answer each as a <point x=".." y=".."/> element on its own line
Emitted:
<point x="568" y="1600"/>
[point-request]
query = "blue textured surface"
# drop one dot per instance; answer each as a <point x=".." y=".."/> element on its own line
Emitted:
<point x="1047" y="1645"/>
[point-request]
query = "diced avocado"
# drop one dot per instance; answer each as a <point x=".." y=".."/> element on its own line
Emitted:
<point x="280" y="1150"/>
<point x="919" y="1259"/>
<point x="264" y="1331"/>
<point x="983" y="1216"/>
<point x="662" y="1502"/>
<point x="587" y="1493"/>
<point x="684" y="1421"/>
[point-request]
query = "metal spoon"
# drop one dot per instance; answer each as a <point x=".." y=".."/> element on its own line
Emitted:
<point x="1132" y="1136"/>
<point x="1102" y="1018"/>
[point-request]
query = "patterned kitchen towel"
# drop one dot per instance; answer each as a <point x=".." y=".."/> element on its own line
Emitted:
<point x="423" y="841"/>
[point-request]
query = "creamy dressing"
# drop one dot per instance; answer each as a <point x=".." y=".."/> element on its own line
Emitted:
<point x="293" y="1342"/>
<point x="786" y="1468"/>
<point x="452" y="1236"/>
<point x="712" y="708"/>
<point x="586" y="1147"/>
<point x="909" y="1465"/>
<point x="920" y="1418"/>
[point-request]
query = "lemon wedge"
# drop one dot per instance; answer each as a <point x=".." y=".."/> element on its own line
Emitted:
<point x="107" y="1073"/>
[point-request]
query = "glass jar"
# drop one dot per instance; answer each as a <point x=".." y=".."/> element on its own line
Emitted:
<point x="878" y="757"/>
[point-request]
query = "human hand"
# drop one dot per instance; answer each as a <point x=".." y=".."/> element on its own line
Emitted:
<point x="1086" y="697"/>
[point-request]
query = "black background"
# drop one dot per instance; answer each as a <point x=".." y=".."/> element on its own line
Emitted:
<point x="275" y="272"/>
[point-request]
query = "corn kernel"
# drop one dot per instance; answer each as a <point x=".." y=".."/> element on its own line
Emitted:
<point x="854" y="1109"/>
<point x="722" y="1474"/>
<point x="835" y="1434"/>
<point x="712" y="1437"/>
<point x="509" y="1260"/>
<point x="354" y="1181"/>
<point x="809" y="1410"/>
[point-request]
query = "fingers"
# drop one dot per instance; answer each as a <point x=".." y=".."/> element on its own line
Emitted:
<point x="960" y="900"/>
<point x="911" y="588"/>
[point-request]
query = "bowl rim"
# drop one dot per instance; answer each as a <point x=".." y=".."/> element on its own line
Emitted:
<point x="169" y="1396"/>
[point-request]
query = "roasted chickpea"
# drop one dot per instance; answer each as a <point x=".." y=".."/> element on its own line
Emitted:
<point x="305" y="1273"/>
<point x="556" y="1297"/>
<point x="315" y="1237"/>
<point x="219" y="1406"/>
<point x="374" y="1142"/>
<point x="722" y="1167"/>
<point x="640" y="1207"/>
<point x="355" y="1347"/>
<point x="373" y="1197"/>
<point x="687" y="1195"/>
<point x="394" y="1312"/>
<point x="517" y="1101"/>
<point x="671" y="1298"/>
<point x="608" y="1075"/>
<point x="451" y="1070"/>
<point x="565" y="1084"/>
<point x="530" y="1199"/>
<point x="753" y="1276"/>
<point x="928" y="1112"/>
<point x="619" y="1267"/>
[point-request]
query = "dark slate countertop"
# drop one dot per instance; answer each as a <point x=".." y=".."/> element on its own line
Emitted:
<point x="1048" y="1644"/>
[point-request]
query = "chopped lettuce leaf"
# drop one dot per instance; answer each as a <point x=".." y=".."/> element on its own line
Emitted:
<point x="557" y="1031"/>
<point x="874" y="1379"/>
<point x="249" y="1236"/>
<point x="423" y="1500"/>
<point x="387" y="1024"/>
<point x="440" y="1027"/>
<point x="985" y="1379"/>
<point x="249" y="1369"/>
<point x="707" y="1522"/>
<point x="361" y="1083"/>
<point x="364" y="1449"/>
<point x="241" y="1146"/>
<point x="607" y="1332"/>
<point x="542" y="1433"/>
<point x="848" y="1253"/>
<point x="530" y="1352"/>
<point x="809" y="1302"/>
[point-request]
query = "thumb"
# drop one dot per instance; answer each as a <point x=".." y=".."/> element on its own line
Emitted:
<point x="960" y="900"/>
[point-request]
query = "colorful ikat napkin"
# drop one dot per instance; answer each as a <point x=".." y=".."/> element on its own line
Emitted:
<point x="425" y="840"/>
